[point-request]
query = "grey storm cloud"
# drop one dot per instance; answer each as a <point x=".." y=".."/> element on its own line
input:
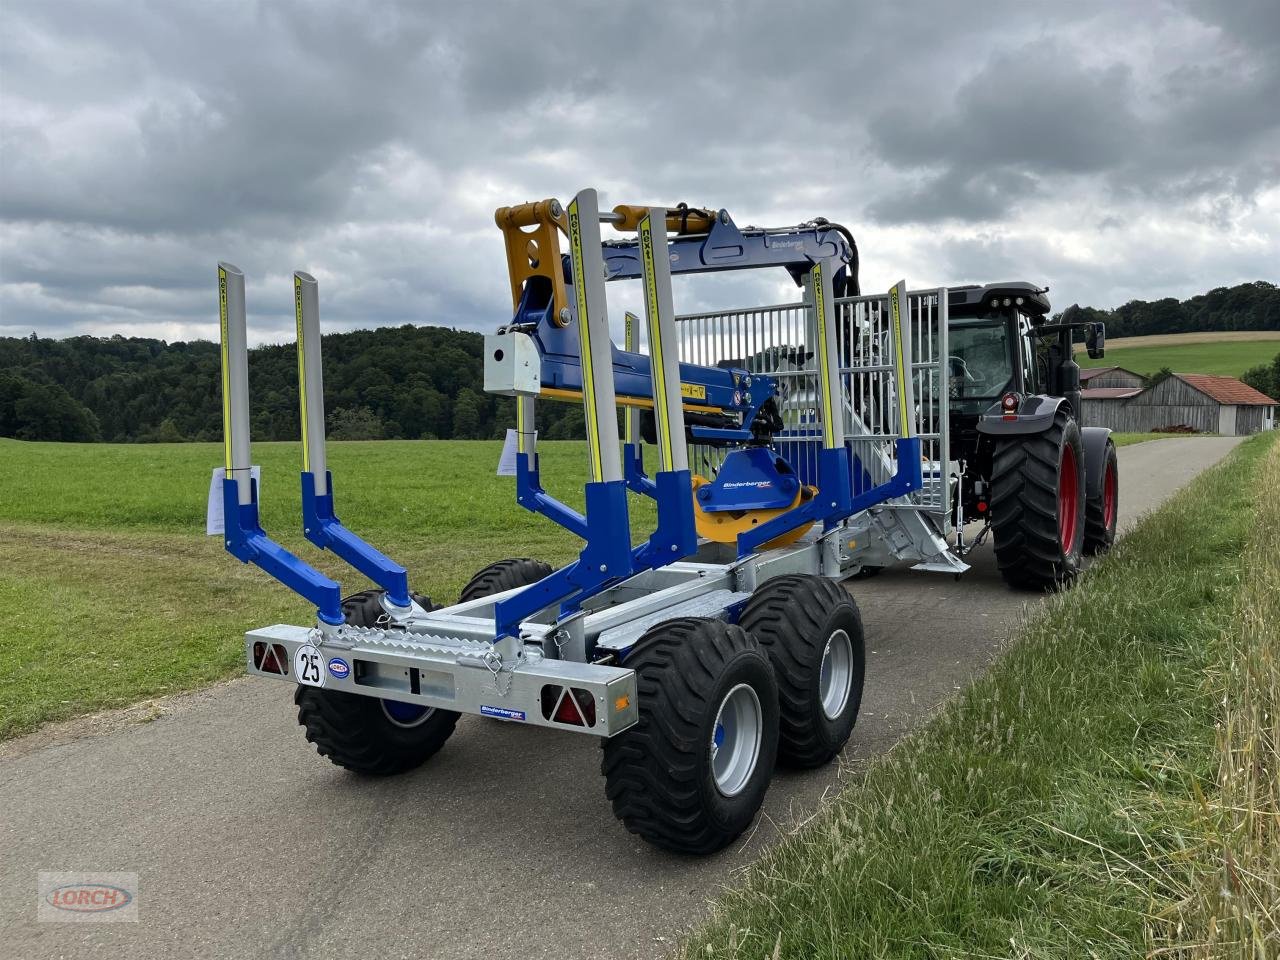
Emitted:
<point x="1110" y="150"/>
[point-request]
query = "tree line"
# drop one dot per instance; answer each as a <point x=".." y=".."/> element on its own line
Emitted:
<point x="1246" y="306"/>
<point x="405" y="382"/>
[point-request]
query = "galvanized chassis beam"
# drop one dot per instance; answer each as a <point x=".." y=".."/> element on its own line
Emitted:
<point x="457" y="668"/>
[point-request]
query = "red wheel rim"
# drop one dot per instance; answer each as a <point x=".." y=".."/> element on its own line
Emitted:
<point x="1110" y="496"/>
<point x="1068" y="499"/>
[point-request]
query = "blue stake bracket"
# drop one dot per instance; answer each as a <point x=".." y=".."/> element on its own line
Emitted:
<point x="246" y="541"/>
<point x="676" y="536"/>
<point x="604" y="560"/>
<point x="531" y="496"/>
<point x="633" y="471"/>
<point x="326" y="531"/>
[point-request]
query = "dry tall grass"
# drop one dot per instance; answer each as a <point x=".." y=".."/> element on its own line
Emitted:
<point x="1231" y="910"/>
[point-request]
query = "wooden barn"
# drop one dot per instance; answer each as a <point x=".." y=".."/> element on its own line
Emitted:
<point x="1183" y="401"/>
<point x="1110" y="378"/>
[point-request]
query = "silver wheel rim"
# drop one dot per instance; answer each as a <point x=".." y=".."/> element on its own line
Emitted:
<point x="835" y="678"/>
<point x="406" y="724"/>
<point x="735" y="739"/>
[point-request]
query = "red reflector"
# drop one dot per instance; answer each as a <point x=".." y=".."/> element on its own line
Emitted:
<point x="587" y="704"/>
<point x="270" y="659"/>
<point x="567" y="712"/>
<point x="982" y="507"/>
<point x="1010" y="401"/>
<point x="1010" y="416"/>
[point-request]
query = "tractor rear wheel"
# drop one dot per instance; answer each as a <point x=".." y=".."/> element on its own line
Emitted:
<point x="691" y="774"/>
<point x="504" y="575"/>
<point x="1102" y="511"/>
<point x="366" y="734"/>
<point x="1037" y="506"/>
<point x="811" y="630"/>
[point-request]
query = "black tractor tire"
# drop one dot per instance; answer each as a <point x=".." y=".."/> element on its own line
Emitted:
<point x="1102" y="512"/>
<point x="660" y="774"/>
<point x="504" y="575"/>
<point x="1029" y="476"/>
<point x="360" y="733"/>
<point x="811" y="630"/>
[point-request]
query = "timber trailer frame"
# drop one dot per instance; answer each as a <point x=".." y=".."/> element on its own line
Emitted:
<point x="720" y="643"/>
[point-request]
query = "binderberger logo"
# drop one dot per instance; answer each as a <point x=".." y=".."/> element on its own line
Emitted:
<point x="77" y="897"/>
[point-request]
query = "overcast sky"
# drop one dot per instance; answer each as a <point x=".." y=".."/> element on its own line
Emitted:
<point x="1111" y="150"/>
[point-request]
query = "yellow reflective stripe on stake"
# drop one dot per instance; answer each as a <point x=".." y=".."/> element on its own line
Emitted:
<point x="632" y="340"/>
<point x="302" y="376"/>
<point x="895" y="318"/>
<point x="226" y="371"/>
<point x="656" y="367"/>
<point x="584" y="343"/>
<point x="824" y="362"/>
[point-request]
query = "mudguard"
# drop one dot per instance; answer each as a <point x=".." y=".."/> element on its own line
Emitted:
<point x="1035" y="415"/>
<point x="1094" y="440"/>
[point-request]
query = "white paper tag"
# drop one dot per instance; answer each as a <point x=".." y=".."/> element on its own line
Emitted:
<point x="507" y="462"/>
<point x="215" y="524"/>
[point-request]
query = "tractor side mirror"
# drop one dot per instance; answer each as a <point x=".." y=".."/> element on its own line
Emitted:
<point x="1095" y="340"/>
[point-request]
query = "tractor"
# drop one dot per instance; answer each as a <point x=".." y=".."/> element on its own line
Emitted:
<point x="1046" y="486"/>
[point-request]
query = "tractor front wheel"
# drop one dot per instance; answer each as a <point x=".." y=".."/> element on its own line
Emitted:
<point x="1037" y="506"/>
<point x="366" y="734"/>
<point x="691" y="774"/>
<point x="1102" y="511"/>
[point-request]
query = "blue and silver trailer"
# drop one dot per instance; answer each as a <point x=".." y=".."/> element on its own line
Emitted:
<point x="794" y="445"/>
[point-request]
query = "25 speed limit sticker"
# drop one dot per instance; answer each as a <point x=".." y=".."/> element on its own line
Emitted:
<point x="308" y="666"/>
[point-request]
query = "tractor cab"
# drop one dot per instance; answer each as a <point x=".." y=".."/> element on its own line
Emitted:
<point x="991" y="345"/>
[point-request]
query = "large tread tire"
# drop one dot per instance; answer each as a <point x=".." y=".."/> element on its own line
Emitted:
<point x="659" y="774"/>
<point x="504" y="575"/>
<point x="1024" y="507"/>
<point x="357" y="732"/>
<point x="794" y="617"/>
<point x="1099" y="522"/>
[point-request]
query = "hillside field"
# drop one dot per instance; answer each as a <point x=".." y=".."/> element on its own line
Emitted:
<point x="1226" y="354"/>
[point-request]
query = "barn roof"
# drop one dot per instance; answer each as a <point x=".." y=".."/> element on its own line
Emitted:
<point x="1109" y="393"/>
<point x="1088" y="373"/>
<point x="1225" y="389"/>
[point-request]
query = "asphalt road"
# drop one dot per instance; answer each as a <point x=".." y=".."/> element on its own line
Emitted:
<point x="246" y="844"/>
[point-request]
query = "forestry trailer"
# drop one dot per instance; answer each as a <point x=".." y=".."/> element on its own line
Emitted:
<point x="796" y="445"/>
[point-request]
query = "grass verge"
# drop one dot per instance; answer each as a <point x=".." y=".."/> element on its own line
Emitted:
<point x="1231" y="902"/>
<point x="1045" y="812"/>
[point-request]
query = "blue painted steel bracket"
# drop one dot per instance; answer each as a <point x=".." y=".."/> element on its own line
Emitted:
<point x="633" y="471"/>
<point x="604" y="560"/>
<point x="752" y="478"/>
<point x="246" y="541"/>
<point x="835" y="500"/>
<point x="676" y="536"/>
<point x="531" y="496"/>
<point x="326" y="531"/>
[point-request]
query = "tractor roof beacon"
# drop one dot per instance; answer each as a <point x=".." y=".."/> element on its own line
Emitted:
<point x="796" y="445"/>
